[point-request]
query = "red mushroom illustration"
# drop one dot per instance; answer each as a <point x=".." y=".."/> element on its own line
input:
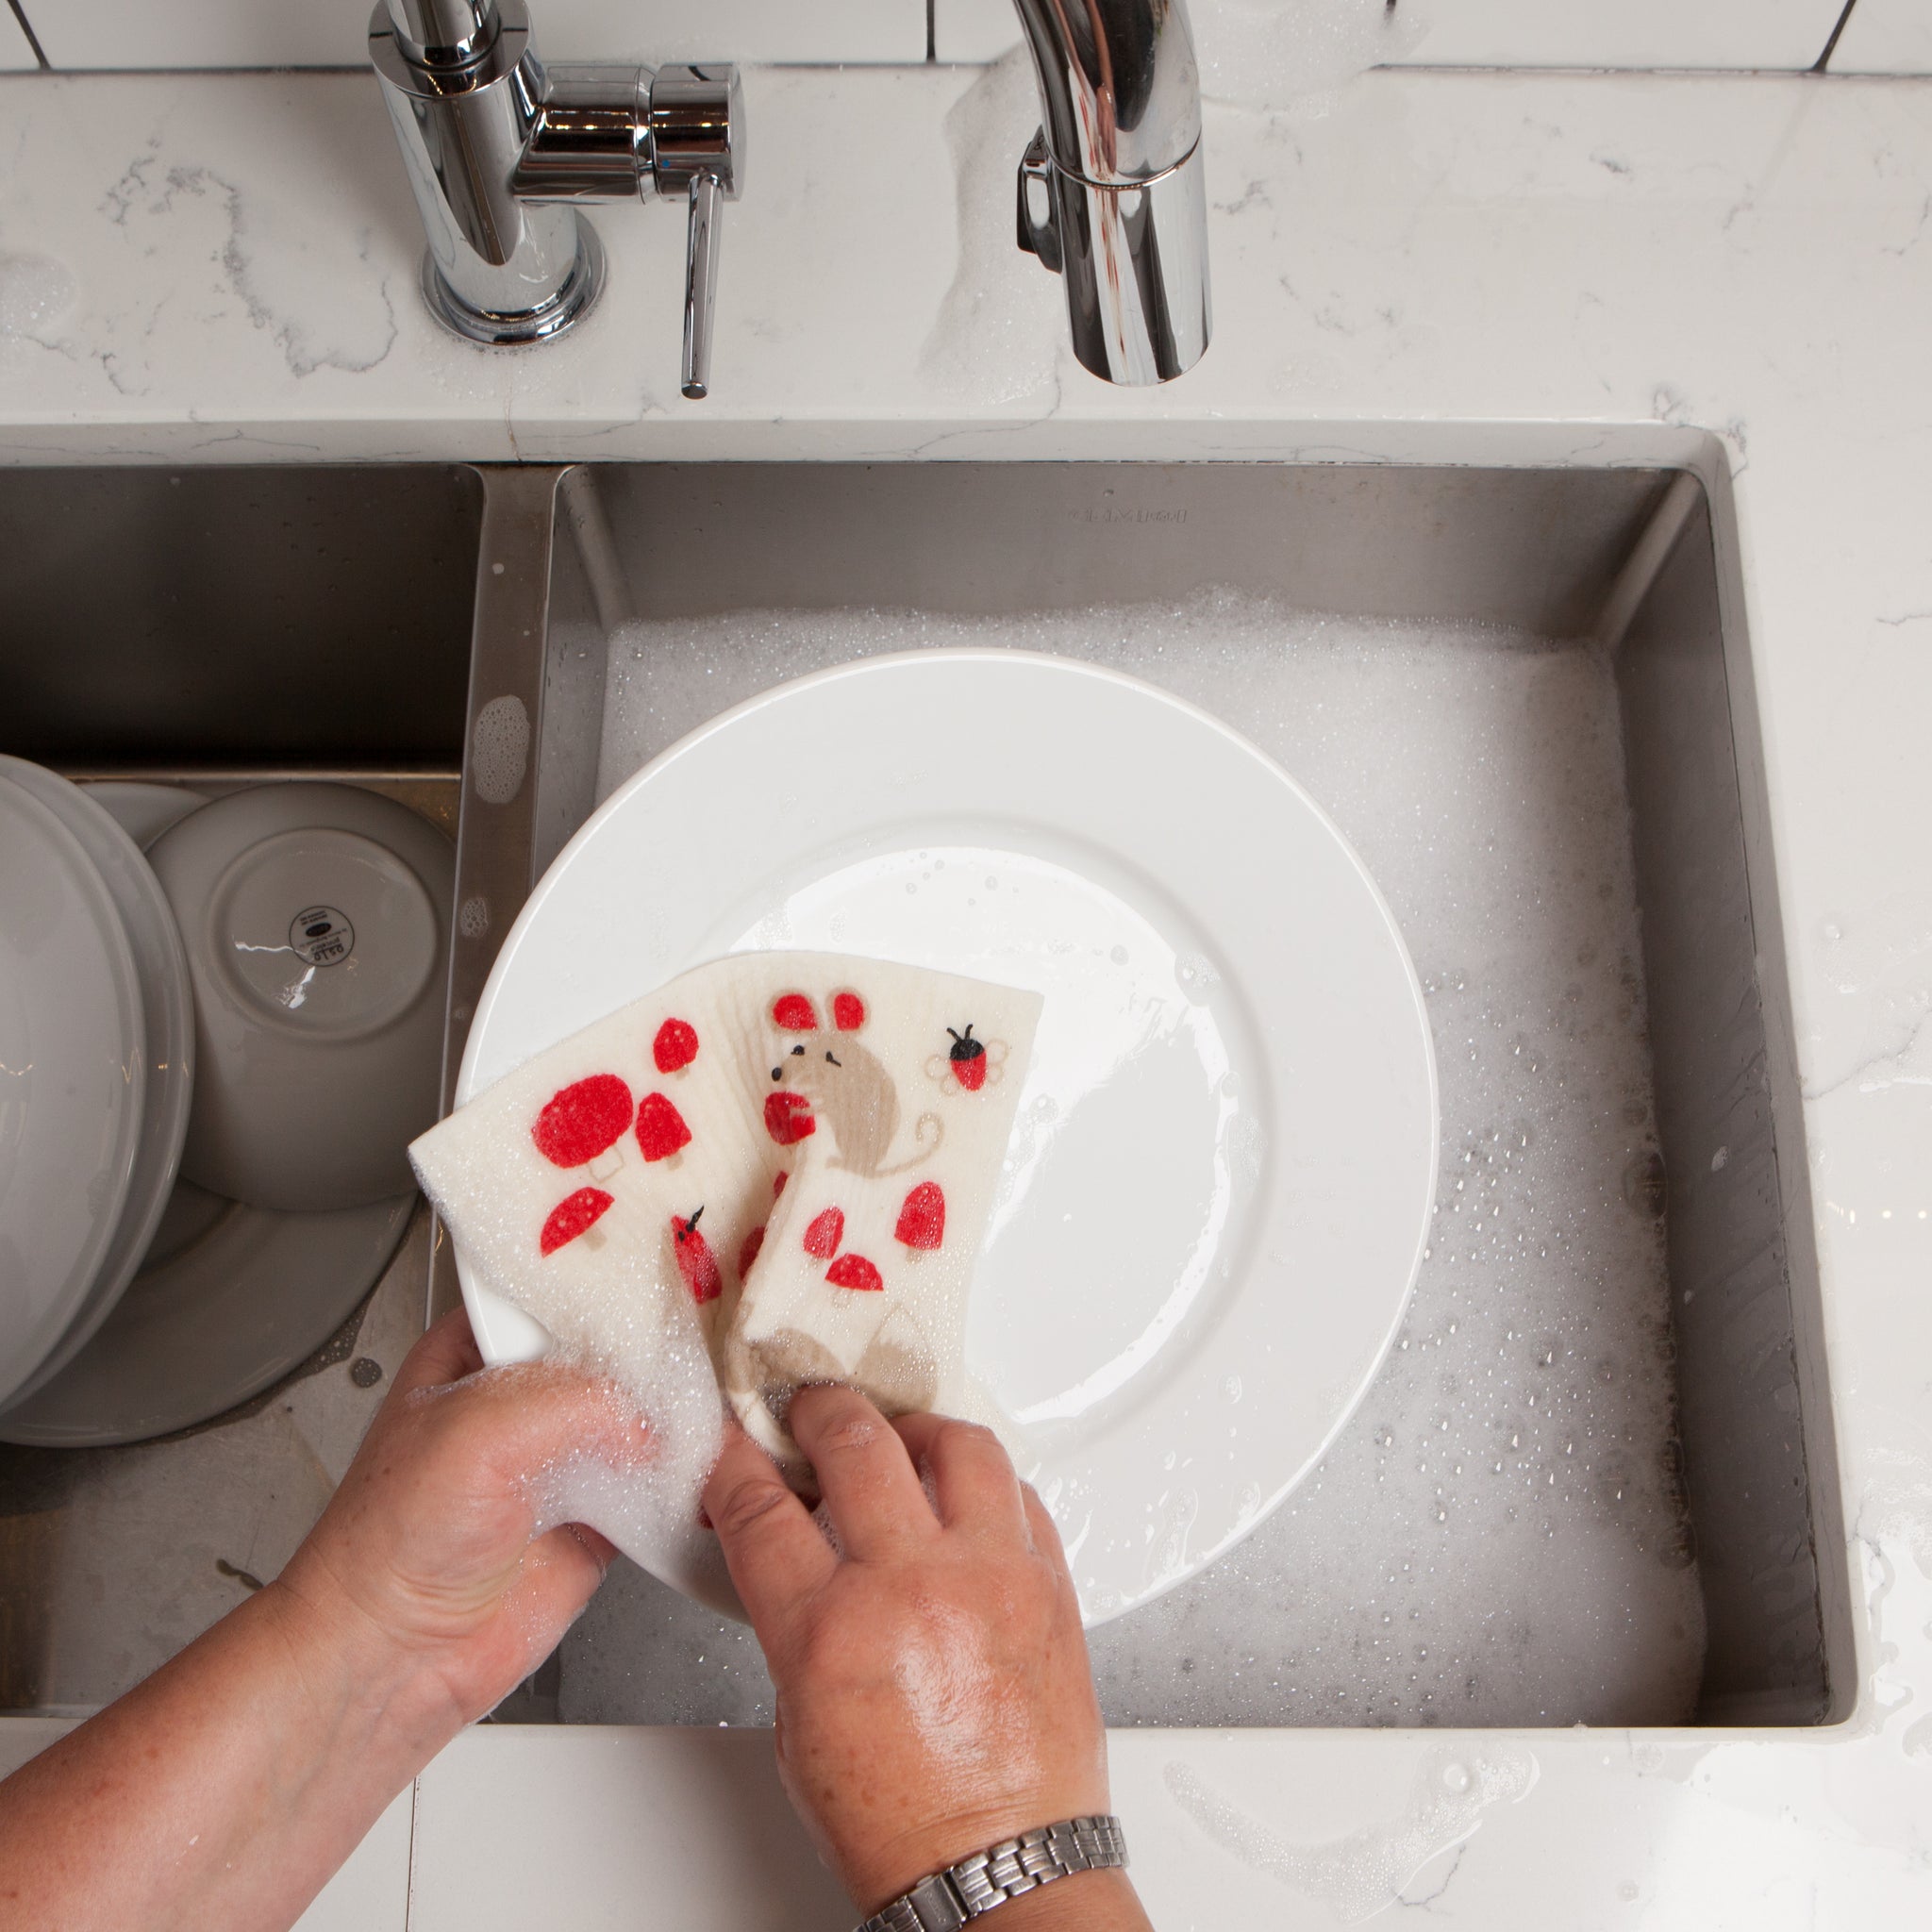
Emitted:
<point x="695" y="1262"/>
<point x="788" y="1117"/>
<point x="854" y="1272"/>
<point x="570" y="1217"/>
<point x="662" y="1130"/>
<point x="582" y="1121"/>
<point x="923" y="1219"/>
<point x="675" y="1046"/>
<point x="822" y="1236"/>
<point x="748" y="1250"/>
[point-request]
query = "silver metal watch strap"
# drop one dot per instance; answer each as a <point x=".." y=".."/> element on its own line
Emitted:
<point x="949" y="1899"/>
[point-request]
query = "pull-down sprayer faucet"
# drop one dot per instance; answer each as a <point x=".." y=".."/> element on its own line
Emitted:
<point x="498" y="146"/>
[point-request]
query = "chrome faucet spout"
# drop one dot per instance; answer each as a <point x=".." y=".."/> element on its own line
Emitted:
<point x="1112" y="195"/>
<point x="501" y="149"/>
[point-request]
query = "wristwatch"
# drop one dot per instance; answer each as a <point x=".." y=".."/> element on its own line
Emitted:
<point x="949" y="1899"/>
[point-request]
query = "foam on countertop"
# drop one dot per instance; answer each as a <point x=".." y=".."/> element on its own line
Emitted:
<point x="1516" y="1460"/>
<point x="1267" y="53"/>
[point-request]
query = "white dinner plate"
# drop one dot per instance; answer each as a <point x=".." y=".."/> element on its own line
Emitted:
<point x="168" y="1023"/>
<point x="72" y="1079"/>
<point x="229" y="1299"/>
<point x="1221" y="1173"/>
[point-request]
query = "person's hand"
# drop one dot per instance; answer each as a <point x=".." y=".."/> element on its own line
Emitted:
<point x="439" y="1560"/>
<point x="934" y="1695"/>
<point x="224" y="1789"/>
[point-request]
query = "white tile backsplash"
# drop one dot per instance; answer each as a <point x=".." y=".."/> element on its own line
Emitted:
<point x="332" y="33"/>
<point x="16" y="50"/>
<point x="1789" y="34"/>
<point x="1526" y="33"/>
<point x="1894" y="36"/>
<point x="1885" y="37"/>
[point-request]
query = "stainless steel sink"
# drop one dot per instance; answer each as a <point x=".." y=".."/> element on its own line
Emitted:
<point x="219" y="626"/>
<point x="540" y="567"/>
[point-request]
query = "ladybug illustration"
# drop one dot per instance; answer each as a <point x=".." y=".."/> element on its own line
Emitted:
<point x="967" y="1059"/>
<point x="695" y="1260"/>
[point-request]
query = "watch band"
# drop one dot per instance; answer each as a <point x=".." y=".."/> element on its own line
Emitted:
<point x="949" y="1899"/>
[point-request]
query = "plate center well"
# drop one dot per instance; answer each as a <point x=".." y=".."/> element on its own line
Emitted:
<point x="1139" y="1145"/>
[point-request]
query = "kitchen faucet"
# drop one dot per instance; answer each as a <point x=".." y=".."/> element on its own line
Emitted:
<point x="499" y="146"/>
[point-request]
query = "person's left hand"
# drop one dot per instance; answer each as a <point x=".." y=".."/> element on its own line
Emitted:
<point x="440" y="1562"/>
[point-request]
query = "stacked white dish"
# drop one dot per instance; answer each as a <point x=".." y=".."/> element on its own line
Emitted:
<point x="131" y="1301"/>
<point x="96" y="1031"/>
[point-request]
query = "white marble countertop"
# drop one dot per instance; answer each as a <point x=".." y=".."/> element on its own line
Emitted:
<point x="1467" y="266"/>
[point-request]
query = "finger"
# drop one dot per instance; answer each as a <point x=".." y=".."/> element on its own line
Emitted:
<point x="445" y="1353"/>
<point x="869" y="1485"/>
<point x="772" y="1548"/>
<point x="559" y="1575"/>
<point x="973" y="1477"/>
<point x="1045" y="1532"/>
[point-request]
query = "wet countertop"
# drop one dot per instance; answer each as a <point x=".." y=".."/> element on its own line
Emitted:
<point x="1474" y="267"/>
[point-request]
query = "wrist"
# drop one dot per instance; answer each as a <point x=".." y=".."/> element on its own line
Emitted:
<point x="359" y="1680"/>
<point x="1086" y="1902"/>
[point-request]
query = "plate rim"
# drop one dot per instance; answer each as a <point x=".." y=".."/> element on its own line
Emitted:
<point x="168" y="1098"/>
<point x="119" y="955"/>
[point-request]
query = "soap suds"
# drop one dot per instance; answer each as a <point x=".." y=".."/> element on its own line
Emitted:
<point x="1357" y="1875"/>
<point x="1530" y="1560"/>
<point x="1269" y="53"/>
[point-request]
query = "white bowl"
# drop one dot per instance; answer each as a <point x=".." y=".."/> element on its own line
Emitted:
<point x="72" y="1079"/>
<point x="229" y="1301"/>
<point x="316" y="919"/>
<point x="160" y="969"/>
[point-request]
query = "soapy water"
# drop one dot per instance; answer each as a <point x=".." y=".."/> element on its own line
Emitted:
<point x="37" y="295"/>
<point x="1499" y="1536"/>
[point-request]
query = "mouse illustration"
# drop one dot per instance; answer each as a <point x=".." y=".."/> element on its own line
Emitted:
<point x="849" y="1088"/>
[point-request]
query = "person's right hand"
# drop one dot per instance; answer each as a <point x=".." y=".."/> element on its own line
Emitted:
<point x="934" y="1694"/>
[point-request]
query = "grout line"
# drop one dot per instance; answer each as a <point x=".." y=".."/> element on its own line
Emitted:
<point x="1823" y="61"/>
<point x="932" y="36"/>
<point x="33" y="39"/>
<point x="409" y="1887"/>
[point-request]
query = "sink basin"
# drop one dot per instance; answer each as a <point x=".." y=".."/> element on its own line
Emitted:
<point x="1595" y="1481"/>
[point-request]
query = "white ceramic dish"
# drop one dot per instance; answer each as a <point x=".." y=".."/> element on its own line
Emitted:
<point x="316" y="919"/>
<point x="168" y="1024"/>
<point x="72" y="1079"/>
<point x="142" y="809"/>
<point x="1223" y="1171"/>
<point x="231" y="1299"/>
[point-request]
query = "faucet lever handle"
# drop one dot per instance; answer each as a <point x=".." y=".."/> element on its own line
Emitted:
<point x="1039" y="217"/>
<point x="697" y="145"/>
<point x="700" y="284"/>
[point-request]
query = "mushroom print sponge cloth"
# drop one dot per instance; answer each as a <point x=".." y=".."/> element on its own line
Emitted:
<point x="778" y="1169"/>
